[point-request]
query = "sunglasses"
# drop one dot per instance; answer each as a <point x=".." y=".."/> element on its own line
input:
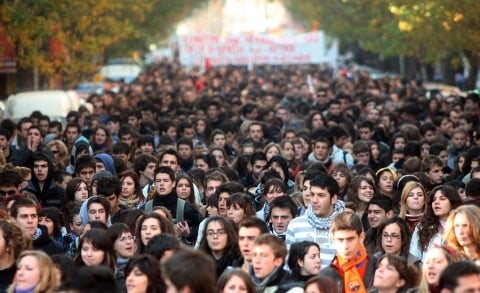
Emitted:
<point x="9" y="192"/>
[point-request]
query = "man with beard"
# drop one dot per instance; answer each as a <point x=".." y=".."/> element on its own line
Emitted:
<point x="185" y="152"/>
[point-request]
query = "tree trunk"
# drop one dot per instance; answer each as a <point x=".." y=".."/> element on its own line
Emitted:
<point x="474" y="62"/>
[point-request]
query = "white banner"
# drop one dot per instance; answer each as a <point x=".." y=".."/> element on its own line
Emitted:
<point x="214" y="50"/>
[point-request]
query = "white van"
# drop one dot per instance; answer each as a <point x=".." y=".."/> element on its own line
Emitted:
<point x="56" y="104"/>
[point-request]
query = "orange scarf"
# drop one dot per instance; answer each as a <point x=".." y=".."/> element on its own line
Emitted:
<point x="352" y="271"/>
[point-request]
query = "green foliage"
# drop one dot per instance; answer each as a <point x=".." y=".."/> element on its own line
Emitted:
<point x="429" y="29"/>
<point x="85" y="32"/>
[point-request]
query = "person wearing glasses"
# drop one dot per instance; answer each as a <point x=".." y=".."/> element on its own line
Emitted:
<point x="379" y="208"/>
<point x="220" y="242"/>
<point x="395" y="239"/>
<point x="10" y="181"/>
<point x="124" y="247"/>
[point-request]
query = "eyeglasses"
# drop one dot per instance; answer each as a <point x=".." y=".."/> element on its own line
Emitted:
<point x="123" y="239"/>
<point x="391" y="236"/>
<point x="219" y="233"/>
<point x="9" y="192"/>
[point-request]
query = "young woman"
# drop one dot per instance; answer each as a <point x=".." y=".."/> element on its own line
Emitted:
<point x="96" y="249"/>
<point x="436" y="260"/>
<point x="385" y="178"/>
<point x="131" y="194"/>
<point x="341" y="173"/>
<point x="185" y="188"/>
<point x="272" y="189"/>
<point x="362" y="190"/>
<point x="315" y="120"/>
<point x="304" y="260"/>
<point x="14" y="241"/>
<point x="235" y="280"/>
<point x="220" y="156"/>
<point x="393" y="274"/>
<point x="101" y="139"/>
<point x="320" y="285"/>
<point x="150" y="225"/>
<point x="272" y="149"/>
<point x="124" y="247"/>
<point x="412" y="203"/>
<point x="239" y="207"/>
<point x="374" y="154"/>
<point x="52" y="218"/>
<point x="396" y="237"/>
<point x="220" y="242"/>
<point x="441" y="200"/>
<point x="61" y="156"/>
<point x="288" y="150"/>
<point x="205" y="161"/>
<point x="75" y="194"/>
<point x="463" y="232"/>
<point x="143" y="275"/>
<point x="35" y="273"/>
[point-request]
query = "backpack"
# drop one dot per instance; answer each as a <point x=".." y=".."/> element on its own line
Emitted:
<point x="179" y="215"/>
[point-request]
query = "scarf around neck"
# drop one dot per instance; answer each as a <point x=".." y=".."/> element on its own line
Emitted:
<point x="352" y="271"/>
<point x="324" y="223"/>
<point x="260" y="285"/>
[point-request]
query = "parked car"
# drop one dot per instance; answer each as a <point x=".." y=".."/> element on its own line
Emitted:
<point x="54" y="103"/>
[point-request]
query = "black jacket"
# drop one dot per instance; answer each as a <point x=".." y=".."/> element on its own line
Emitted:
<point x="190" y="213"/>
<point x="332" y="273"/>
<point x="45" y="243"/>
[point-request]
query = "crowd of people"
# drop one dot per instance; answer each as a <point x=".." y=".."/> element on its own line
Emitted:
<point x="275" y="179"/>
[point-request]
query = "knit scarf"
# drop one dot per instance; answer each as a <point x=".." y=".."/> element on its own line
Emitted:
<point x="260" y="285"/>
<point x="130" y="202"/>
<point x="323" y="223"/>
<point x="352" y="271"/>
<point x="413" y="220"/>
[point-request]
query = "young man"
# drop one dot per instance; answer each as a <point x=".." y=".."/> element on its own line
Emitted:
<point x="170" y="158"/>
<point x="25" y="212"/>
<point x="248" y="230"/>
<point x="187" y="217"/>
<point x="145" y="166"/>
<point x="85" y="168"/>
<point x="321" y="150"/>
<point x="97" y="208"/>
<point x="339" y="155"/>
<point x="258" y="161"/>
<point x="185" y="152"/>
<point x="361" y="153"/>
<point x="198" y="276"/>
<point x="146" y="144"/>
<point x="379" y="208"/>
<point x="352" y="269"/>
<point x="315" y="223"/>
<point x="460" y="277"/>
<point x="43" y="183"/>
<point x="10" y="181"/>
<point x="267" y="271"/>
<point x="282" y="210"/>
<point x="255" y="131"/>
<point x="110" y="188"/>
<point x="432" y="166"/>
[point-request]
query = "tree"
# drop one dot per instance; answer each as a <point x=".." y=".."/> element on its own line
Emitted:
<point x="70" y="39"/>
<point x="429" y="30"/>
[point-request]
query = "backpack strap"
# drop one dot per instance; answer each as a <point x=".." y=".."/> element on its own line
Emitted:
<point x="149" y="206"/>
<point x="180" y="210"/>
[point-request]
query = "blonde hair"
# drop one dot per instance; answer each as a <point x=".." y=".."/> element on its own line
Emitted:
<point x="48" y="279"/>
<point x="451" y="254"/>
<point x="472" y="213"/>
<point x="406" y="191"/>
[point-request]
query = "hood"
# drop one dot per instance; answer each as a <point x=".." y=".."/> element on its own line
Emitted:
<point x="46" y="156"/>
<point x="80" y="145"/>
<point x="107" y="160"/>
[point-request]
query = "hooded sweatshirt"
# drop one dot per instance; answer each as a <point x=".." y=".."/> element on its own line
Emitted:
<point x="50" y="195"/>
